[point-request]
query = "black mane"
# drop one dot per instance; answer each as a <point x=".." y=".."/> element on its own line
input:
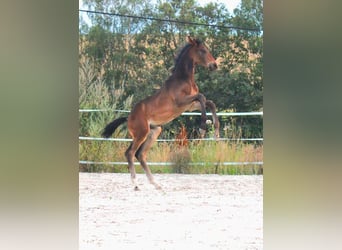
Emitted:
<point x="182" y="51"/>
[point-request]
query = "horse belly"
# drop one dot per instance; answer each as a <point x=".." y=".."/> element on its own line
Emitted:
<point x="160" y="118"/>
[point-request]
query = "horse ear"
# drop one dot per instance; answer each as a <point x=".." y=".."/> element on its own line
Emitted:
<point x="191" y="41"/>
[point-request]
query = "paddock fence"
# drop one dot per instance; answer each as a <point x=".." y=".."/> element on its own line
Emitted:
<point x="84" y="138"/>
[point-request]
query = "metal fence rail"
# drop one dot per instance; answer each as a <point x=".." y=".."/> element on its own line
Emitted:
<point x="84" y="138"/>
<point x="257" y="113"/>
<point x="171" y="163"/>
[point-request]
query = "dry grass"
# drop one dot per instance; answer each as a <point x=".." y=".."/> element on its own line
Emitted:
<point x="211" y="154"/>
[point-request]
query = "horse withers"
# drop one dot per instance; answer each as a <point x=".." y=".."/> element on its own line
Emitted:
<point x="178" y="94"/>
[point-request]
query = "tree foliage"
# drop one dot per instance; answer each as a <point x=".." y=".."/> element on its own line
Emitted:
<point x="136" y="54"/>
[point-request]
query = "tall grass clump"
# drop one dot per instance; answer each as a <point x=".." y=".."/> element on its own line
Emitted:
<point x="95" y="94"/>
<point x="181" y="157"/>
<point x="224" y="151"/>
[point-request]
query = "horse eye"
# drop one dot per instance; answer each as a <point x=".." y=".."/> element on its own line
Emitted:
<point x="203" y="51"/>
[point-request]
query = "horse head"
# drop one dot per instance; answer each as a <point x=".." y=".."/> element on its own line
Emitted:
<point x="201" y="54"/>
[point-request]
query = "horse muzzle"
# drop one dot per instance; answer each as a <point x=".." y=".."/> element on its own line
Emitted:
<point x="212" y="66"/>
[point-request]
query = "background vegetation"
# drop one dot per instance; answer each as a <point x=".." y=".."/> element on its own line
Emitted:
<point x="124" y="59"/>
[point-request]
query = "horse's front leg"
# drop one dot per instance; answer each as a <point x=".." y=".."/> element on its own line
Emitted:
<point x="195" y="102"/>
<point x="211" y="105"/>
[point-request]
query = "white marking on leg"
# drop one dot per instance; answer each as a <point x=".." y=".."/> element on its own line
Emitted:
<point x="202" y="132"/>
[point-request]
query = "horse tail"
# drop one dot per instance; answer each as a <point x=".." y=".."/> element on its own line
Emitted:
<point x="110" y="128"/>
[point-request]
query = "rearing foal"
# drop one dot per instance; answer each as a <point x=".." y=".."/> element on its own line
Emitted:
<point x="179" y="93"/>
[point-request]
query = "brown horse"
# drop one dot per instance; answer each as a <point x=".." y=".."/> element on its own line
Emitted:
<point x="179" y="93"/>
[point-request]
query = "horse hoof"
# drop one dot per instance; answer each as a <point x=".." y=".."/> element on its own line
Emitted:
<point x="202" y="132"/>
<point x="157" y="187"/>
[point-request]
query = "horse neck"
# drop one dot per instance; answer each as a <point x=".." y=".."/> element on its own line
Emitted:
<point x="185" y="69"/>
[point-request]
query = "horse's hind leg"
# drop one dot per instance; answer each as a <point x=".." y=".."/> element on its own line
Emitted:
<point x="142" y="153"/>
<point x="130" y="152"/>
<point x="131" y="166"/>
<point x="139" y="130"/>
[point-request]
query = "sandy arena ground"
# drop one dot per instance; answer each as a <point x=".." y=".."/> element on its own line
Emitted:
<point x="194" y="212"/>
